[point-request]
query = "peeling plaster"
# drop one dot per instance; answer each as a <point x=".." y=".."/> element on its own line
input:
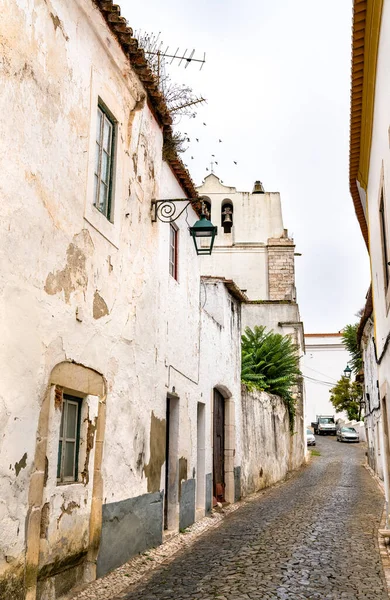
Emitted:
<point x="21" y="464"/>
<point x="183" y="468"/>
<point x="45" y="519"/>
<point x="67" y="510"/>
<point x="58" y="25"/>
<point x="90" y="441"/>
<point x="100" y="308"/>
<point x="58" y="398"/>
<point x="157" y="453"/>
<point x="74" y="275"/>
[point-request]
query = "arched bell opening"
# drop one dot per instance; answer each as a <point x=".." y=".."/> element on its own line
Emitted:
<point x="227" y="216"/>
<point x="206" y="207"/>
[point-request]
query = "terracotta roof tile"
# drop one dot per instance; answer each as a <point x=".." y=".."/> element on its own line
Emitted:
<point x="358" y="31"/>
<point x="124" y="34"/>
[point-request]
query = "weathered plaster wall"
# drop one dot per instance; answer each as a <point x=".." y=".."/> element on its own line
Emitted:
<point x="284" y="318"/>
<point x="220" y="366"/>
<point x="373" y="415"/>
<point x="78" y="288"/>
<point x="268" y="449"/>
<point x="68" y="283"/>
<point x="272" y="314"/>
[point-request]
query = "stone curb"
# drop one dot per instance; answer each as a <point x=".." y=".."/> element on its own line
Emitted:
<point x="383" y="547"/>
<point x="141" y="567"/>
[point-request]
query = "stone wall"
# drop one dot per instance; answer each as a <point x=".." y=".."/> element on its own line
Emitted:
<point x="281" y="272"/>
<point x="269" y="451"/>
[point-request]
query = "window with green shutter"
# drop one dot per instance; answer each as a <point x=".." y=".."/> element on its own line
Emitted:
<point x="104" y="157"/>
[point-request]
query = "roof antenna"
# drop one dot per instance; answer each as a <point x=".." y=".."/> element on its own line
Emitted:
<point x="179" y="98"/>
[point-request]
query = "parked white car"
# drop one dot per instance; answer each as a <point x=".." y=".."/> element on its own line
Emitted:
<point x="347" y="434"/>
<point x="311" y="440"/>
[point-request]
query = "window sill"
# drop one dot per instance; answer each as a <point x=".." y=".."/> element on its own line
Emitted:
<point x="72" y="483"/>
<point x="102" y="225"/>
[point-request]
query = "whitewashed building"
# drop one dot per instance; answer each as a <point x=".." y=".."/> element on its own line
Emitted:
<point x="114" y="352"/>
<point x="120" y="405"/>
<point x="369" y="174"/>
<point x="372" y="416"/>
<point x="322" y="367"/>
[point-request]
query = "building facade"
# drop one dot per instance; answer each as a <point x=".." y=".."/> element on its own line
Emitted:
<point x="369" y="186"/>
<point x="373" y="415"/>
<point x="115" y="353"/>
<point x="322" y="366"/>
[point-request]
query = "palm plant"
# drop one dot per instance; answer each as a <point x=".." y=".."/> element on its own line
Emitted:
<point x="270" y="363"/>
<point x="349" y="337"/>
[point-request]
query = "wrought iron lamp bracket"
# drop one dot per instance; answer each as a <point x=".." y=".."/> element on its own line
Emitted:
<point x="167" y="211"/>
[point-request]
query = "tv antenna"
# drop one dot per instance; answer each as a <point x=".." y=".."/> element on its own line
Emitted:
<point x="179" y="98"/>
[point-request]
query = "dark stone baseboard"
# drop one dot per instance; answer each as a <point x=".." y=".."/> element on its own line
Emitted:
<point x="187" y="504"/>
<point x="237" y="484"/>
<point x="129" y="527"/>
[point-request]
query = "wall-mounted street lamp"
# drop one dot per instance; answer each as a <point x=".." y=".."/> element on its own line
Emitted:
<point x="167" y="211"/>
<point x="347" y="372"/>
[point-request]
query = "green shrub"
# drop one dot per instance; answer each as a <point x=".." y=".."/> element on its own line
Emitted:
<point x="270" y="363"/>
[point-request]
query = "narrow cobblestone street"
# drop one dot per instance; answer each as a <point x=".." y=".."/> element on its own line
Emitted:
<point x="313" y="537"/>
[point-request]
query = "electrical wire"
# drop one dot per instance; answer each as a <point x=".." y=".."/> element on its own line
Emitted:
<point x="312" y="379"/>
<point x="319" y="372"/>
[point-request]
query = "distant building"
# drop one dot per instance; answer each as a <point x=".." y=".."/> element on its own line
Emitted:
<point x="253" y="248"/>
<point x="322" y="366"/>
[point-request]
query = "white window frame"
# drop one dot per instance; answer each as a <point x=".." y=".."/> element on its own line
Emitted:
<point x="107" y="95"/>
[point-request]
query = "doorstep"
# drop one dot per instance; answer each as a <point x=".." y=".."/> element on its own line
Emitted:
<point x="169" y="534"/>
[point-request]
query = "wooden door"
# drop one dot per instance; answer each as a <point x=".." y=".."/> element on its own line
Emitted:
<point x="219" y="448"/>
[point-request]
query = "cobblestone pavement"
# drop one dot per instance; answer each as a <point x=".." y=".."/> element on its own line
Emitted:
<point x="313" y="537"/>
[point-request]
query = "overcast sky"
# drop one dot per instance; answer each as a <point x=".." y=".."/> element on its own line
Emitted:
<point x="277" y="83"/>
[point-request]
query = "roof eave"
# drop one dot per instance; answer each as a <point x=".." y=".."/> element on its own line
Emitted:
<point x="367" y="16"/>
<point x="124" y="35"/>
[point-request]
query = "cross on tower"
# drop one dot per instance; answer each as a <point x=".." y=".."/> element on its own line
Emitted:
<point x="212" y="166"/>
